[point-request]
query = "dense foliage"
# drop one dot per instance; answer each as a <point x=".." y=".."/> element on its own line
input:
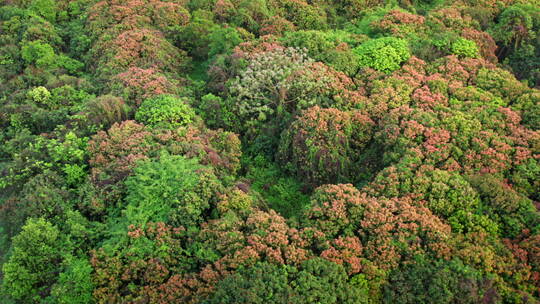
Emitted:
<point x="269" y="151"/>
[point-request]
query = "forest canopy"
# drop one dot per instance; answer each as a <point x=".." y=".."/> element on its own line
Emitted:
<point x="269" y="151"/>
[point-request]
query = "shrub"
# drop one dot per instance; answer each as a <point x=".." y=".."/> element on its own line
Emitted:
<point x="383" y="54"/>
<point x="165" y="111"/>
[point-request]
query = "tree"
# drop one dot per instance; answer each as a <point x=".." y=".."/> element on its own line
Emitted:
<point x="112" y="17"/>
<point x="262" y="89"/>
<point x="106" y="110"/>
<point x="114" y="153"/>
<point x="165" y="111"/>
<point x="44" y="195"/>
<point x="321" y="281"/>
<point x="39" y="53"/>
<point x="279" y="83"/>
<point x="74" y="285"/>
<point x="526" y="248"/>
<point x="331" y="48"/>
<point x="136" y="264"/>
<point x="515" y="25"/>
<point x="223" y="40"/>
<point x="172" y="189"/>
<point x="136" y="85"/>
<point x="465" y="48"/>
<point x="391" y="230"/>
<point x="315" y="281"/>
<point x="516" y="31"/>
<point x="195" y="36"/>
<point x="324" y="145"/>
<point x="46" y="8"/>
<point x="304" y="15"/>
<point x="141" y="48"/>
<point x="511" y="209"/>
<point x="262" y="283"/>
<point x="35" y="261"/>
<point x="426" y="281"/>
<point x="383" y="54"/>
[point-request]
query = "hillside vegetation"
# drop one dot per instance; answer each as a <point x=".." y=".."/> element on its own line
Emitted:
<point x="269" y="151"/>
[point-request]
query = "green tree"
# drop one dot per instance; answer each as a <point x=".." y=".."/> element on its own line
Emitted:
<point x="260" y="284"/>
<point x="332" y="48"/>
<point x="35" y="261"/>
<point x="46" y="8"/>
<point x="428" y="281"/>
<point x="315" y="281"/>
<point x="75" y="283"/>
<point x="165" y="111"/>
<point x="322" y="281"/>
<point x="195" y="36"/>
<point x="215" y="111"/>
<point x="465" y="48"/>
<point x="383" y="54"/>
<point x="516" y="32"/>
<point x="223" y="40"/>
<point x="171" y="188"/>
<point x="39" y="53"/>
<point x="515" y="26"/>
